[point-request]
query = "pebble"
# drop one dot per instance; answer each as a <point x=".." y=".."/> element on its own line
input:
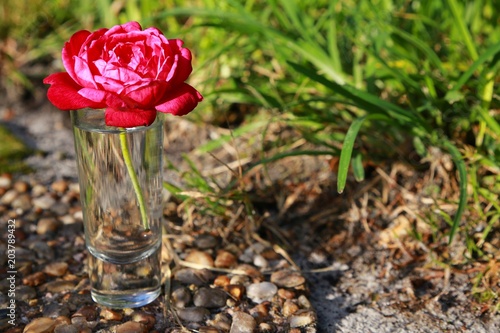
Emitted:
<point x="193" y="276"/>
<point x="25" y="293"/>
<point x="130" y="327"/>
<point x="208" y="329"/>
<point x="193" y="314"/>
<point x="286" y="294"/>
<point x="260" y="292"/>
<point x="59" y="186"/>
<point x="56" y="310"/>
<point x="240" y="279"/>
<point x="38" y="190"/>
<point x="304" y="302"/>
<point x="266" y="328"/>
<point x="66" y="329"/>
<point x="8" y="197"/>
<point x="22" y="202"/>
<point x="146" y="319"/>
<point x="205" y="241"/>
<point x="109" y="314"/>
<point x="287" y="279"/>
<point x="44" y="202"/>
<point x="200" y="258"/>
<point x="237" y="291"/>
<point x="56" y="269"/>
<point x="302" y="318"/>
<point x="181" y="297"/>
<point x="222" y="281"/>
<point x="221" y="321"/>
<point x="89" y="312"/>
<point x="5" y="182"/>
<point x="225" y="259"/>
<point x="260" y="261"/>
<point x="34" y="279"/>
<point x="40" y="325"/>
<point x="21" y="186"/>
<point x="58" y="286"/>
<point x="60" y="208"/>
<point x="46" y="225"/>
<point x="209" y="298"/>
<point x="242" y="323"/>
<point x="289" y="308"/>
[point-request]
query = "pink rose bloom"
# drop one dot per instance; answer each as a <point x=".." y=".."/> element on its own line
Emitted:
<point x="131" y="72"/>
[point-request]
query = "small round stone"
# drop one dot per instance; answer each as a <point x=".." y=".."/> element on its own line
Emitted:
<point x="237" y="291"/>
<point x="59" y="186"/>
<point x="44" y="202"/>
<point x="56" y="269"/>
<point x="25" y="293"/>
<point x="181" y="297"/>
<point x="242" y="323"/>
<point x="22" y="202"/>
<point x="289" y="308"/>
<point x="304" y="303"/>
<point x="193" y="314"/>
<point x="208" y="329"/>
<point x="193" y="276"/>
<point x="302" y="318"/>
<point x="287" y="279"/>
<point x="266" y="328"/>
<point x="35" y="279"/>
<point x="260" y="292"/>
<point x="109" y="314"/>
<point x="205" y="241"/>
<point x="201" y="258"/>
<point x="89" y="312"/>
<point x="21" y="186"/>
<point x="46" y="225"/>
<point x="286" y="294"/>
<point x="40" y="325"/>
<point x="146" y="319"/>
<point x="222" y="281"/>
<point x="58" y="286"/>
<point x="225" y="259"/>
<point x="8" y="197"/>
<point x="130" y="327"/>
<point x="66" y="329"/>
<point x="210" y="298"/>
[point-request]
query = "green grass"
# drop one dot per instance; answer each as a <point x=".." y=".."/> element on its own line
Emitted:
<point x="358" y="79"/>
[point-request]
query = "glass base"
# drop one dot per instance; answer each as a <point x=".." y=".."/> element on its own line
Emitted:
<point x="120" y="300"/>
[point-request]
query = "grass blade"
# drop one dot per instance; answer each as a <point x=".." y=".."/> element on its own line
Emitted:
<point x="345" y="154"/>
<point x="462" y="175"/>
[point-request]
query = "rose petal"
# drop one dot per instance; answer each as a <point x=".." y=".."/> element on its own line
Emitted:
<point x="129" y="118"/>
<point x="63" y="93"/>
<point x="182" y="68"/>
<point x="72" y="49"/>
<point x="146" y="94"/>
<point x="182" y="101"/>
<point x="95" y="95"/>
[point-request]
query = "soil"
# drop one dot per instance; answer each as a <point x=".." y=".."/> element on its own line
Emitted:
<point x="364" y="272"/>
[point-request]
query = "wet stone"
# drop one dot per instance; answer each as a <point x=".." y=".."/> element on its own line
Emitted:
<point x="242" y="323"/>
<point x="205" y="241"/>
<point x="210" y="298"/>
<point x="287" y="279"/>
<point x="89" y="312"/>
<point x="222" y="281"/>
<point x="56" y="269"/>
<point x="260" y="292"/>
<point x="193" y="314"/>
<point x="40" y="325"/>
<point x="181" y="297"/>
<point x="236" y="291"/>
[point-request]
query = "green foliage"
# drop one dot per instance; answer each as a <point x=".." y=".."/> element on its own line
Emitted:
<point x="388" y="71"/>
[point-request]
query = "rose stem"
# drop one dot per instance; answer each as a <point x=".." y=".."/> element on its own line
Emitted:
<point x="135" y="181"/>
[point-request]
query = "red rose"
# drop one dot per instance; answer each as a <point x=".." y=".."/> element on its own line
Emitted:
<point x="129" y="71"/>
